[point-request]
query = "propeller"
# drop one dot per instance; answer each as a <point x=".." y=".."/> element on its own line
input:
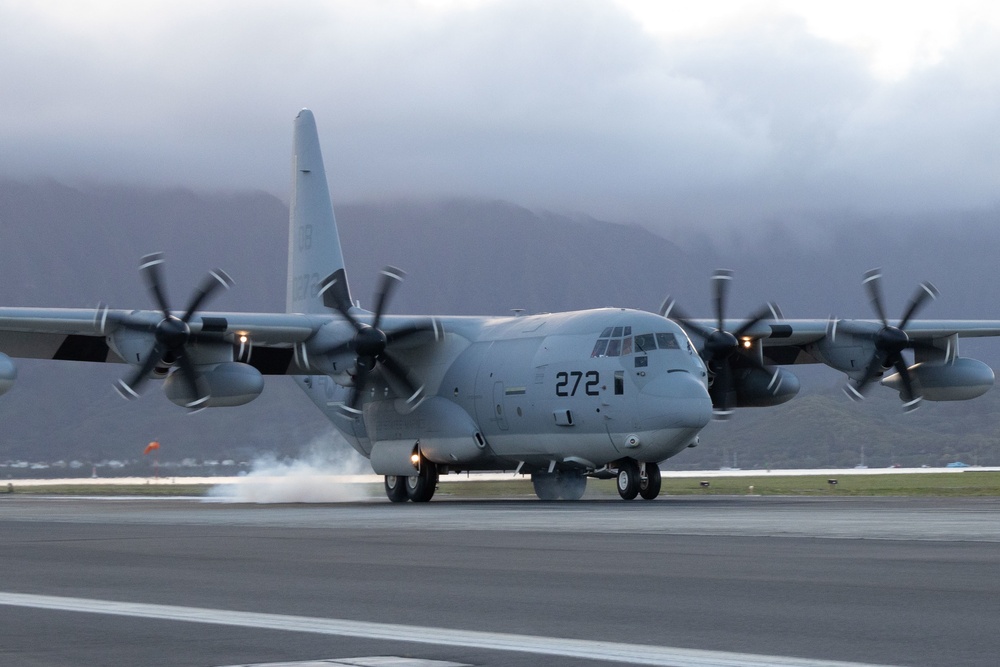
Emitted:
<point x="890" y="341"/>
<point x="172" y="334"/>
<point x="370" y="344"/>
<point x="721" y="350"/>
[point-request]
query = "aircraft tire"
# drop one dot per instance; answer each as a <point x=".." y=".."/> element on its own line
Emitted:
<point x="546" y="485"/>
<point x="649" y="488"/>
<point x="395" y="488"/>
<point x="420" y="487"/>
<point x="628" y="479"/>
<point x="571" y="485"/>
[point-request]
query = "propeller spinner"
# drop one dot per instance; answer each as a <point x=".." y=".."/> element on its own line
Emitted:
<point x="172" y="334"/>
<point x="721" y="349"/>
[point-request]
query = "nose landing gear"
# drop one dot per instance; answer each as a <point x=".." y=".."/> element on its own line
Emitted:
<point x="635" y="478"/>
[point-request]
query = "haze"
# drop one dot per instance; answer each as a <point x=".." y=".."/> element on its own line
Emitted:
<point x="738" y="114"/>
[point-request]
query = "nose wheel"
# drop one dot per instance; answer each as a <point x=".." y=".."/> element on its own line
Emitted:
<point x="635" y="478"/>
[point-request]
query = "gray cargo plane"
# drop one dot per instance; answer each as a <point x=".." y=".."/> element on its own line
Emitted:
<point x="560" y="396"/>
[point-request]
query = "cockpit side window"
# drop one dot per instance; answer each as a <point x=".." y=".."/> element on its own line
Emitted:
<point x="600" y="348"/>
<point x="667" y="341"/>
<point x="645" y="343"/>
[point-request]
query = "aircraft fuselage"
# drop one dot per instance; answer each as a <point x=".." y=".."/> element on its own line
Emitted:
<point x="567" y="391"/>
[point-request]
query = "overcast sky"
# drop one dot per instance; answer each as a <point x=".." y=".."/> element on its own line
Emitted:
<point x="651" y="112"/>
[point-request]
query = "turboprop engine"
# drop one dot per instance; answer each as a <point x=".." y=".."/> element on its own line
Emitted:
<point x="227" y="385"/>
<point x="763" y="387"/>
<point x="959" y="380"/>
<point x="8" y="373"/>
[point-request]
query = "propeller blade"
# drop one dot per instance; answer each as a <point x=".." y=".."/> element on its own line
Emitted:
<point x="721" y="280"/>
<point x="721" y="391"/>
<point x="770" y="311"/>
<point x="857" y="390"/>
<point x="215" y="280"/>
<point x="405" y="332"/>
<point x="360" y="380"/>
<point x="149" y="267"/>
<point x="190" y="377"/>
<point x="924" y="292"/>
<point x="911" y="400"/>
<point x="341" y="308"/>
<point x="672" y="311"/>
<point x="129" y="389"/>
<point x="391" y="278"/>
<point x="873" y="283"/>
<point x="401" y="374"/>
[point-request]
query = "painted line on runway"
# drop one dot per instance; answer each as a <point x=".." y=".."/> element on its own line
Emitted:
<point x="639" y="654"/>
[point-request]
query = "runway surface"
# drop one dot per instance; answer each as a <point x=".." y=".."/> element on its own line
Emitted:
<point x="681" y="581"/>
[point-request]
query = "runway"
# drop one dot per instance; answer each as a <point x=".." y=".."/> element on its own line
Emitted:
<point x="679" y="581"/>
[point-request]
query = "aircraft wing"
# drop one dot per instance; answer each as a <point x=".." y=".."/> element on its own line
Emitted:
<point x="787" y="342"/>
<point x="82" y="334"/>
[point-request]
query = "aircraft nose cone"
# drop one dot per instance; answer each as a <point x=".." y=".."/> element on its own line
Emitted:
<point x="682" y="399"/>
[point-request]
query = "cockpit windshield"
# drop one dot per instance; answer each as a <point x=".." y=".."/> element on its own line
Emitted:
<point x="619" y="342"/>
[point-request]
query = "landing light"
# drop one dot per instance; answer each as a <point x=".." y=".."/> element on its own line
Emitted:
<point x="415" y="459"/>
<point x="747" y="343"/>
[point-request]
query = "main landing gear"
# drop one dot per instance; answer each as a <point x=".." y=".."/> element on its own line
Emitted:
<point x="419" y="488"/>
<point x="638" y="479"/>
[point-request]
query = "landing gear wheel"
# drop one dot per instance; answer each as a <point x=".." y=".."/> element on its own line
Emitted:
<point x="571" y="485"/>
<point x="395" y="488"/>
<point x="420" y="487"/>
<point x="649" y="486"/>
<point x="628" y="479"/>
<point x="546" y="485"/>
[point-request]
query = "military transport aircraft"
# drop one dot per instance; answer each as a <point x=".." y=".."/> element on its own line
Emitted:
<point x="560" y="396"/>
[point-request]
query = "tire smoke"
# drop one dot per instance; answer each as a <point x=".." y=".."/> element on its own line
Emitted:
<point x="322" y="473"/>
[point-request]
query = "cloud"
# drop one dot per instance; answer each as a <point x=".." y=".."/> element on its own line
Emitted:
<point x="565" y="105"/>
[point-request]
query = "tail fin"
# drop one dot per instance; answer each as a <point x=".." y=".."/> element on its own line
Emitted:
<point x="316" y="277"/>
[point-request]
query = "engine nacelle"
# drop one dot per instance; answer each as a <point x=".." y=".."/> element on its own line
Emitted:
<point x="229" y="384"/>
<point x="957" y="381"/>
<point x="757" y="388"/>
<point x="8" y="373"/>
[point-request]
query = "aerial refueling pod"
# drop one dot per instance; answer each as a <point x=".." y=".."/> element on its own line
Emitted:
<point x="228" y="384"/>
<point x="8" y="373"/>
<point x="959" y="380"/>
<point x="761" y="388"/>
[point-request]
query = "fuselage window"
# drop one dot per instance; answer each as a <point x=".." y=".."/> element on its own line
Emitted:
<point x="619" y="383"/>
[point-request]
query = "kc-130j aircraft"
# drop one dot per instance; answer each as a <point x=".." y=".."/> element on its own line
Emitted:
<point x="560" y="396"/>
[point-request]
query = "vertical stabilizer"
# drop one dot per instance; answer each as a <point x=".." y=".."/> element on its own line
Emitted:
<point x="316" y="277"/>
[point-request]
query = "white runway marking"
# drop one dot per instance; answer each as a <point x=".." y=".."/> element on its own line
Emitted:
<point x="377" y="661"/>
<point x="638" y="654"/>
